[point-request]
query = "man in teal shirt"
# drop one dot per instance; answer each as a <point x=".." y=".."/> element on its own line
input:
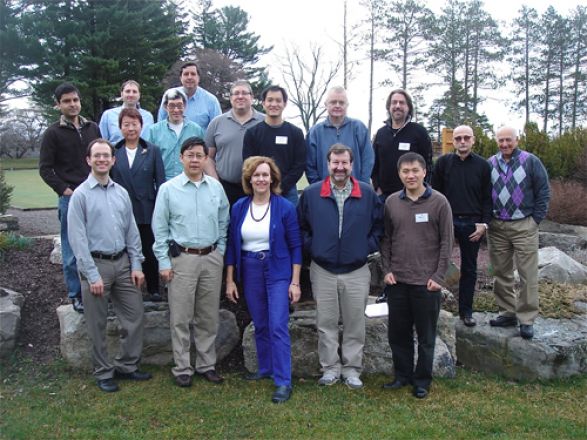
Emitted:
<point x="169" y="134"/>
<point x="190" y="224"/>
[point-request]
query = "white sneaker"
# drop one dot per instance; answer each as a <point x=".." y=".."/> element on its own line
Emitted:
<point x="328" y="379"/>
<point x="353" y="382"/>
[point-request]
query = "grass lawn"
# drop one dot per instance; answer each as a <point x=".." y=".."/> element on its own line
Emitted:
<point x="28" y="163"/>
<point x="52" y="402"/>
<point x="29" y="190"/>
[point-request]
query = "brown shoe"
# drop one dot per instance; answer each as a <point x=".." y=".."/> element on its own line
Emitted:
<point x="212" y="376"/>
<point x="183" y="380"/>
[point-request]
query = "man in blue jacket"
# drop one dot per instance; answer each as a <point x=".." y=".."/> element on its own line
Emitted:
<point x="338" y="128"/>
<point x="341" y="222"/>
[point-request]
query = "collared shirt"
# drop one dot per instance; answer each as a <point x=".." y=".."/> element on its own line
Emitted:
<point x="193" y="215"/>
<point x="163" y="136"/>
<point x="226" y="133"/>
<point x="109" y="124"/>
<point x="100" y="219"/>
<point x="201" y="107"/>
<point x="340" y="195"/>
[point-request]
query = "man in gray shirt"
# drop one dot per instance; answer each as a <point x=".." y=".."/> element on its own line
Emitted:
<point x="106" y="243"/>
<point x="224" y="138"/>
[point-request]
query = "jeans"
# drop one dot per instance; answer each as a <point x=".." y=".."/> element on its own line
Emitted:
<point x="292" y="195"/>
<point x="72" y="281"/>
<point x="464" y="227"/>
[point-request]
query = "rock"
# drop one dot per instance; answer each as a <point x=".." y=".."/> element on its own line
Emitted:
<point x="564" y="242"/>
<point x="76" y="350"/>
<point x="554" y="265"/>
<point x="55" y="257"/>
<point x="8" y="223"/>
<point x="10" y="306"/>
<point x="377" y="354"/>
<point x="558" y="350"/>
<point x="561" y="228"/>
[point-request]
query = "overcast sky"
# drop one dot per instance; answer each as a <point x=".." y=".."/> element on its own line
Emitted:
<point x="302" y="22"/>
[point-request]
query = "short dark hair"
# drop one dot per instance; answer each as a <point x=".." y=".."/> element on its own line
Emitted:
<point x="188" y="64"/>
<point x="99" y="141"/>
<point x="339" y="149"/>
<point x="64" y="88"/>
<point x="132" y="113"/>
<point x="411" y="157"/>
<point x="274" y="89"/>
<point x="192" y="142"/>
<point x="408" y="101"/>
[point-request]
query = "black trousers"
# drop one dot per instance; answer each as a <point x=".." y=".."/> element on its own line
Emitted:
<point x="234" y="191"/>
<point x="412" y="305"/>
<point x="150" y="265"/>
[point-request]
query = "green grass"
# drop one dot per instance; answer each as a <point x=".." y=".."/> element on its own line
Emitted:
<point x="52" y="402"/>
<point x="29" y="163"/>
<point x="29" y="190"/>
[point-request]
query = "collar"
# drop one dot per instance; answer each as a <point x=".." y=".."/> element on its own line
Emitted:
<point x="65" y="123"/>
<point x="328" y="122"/>
<point x="94" y="182"/>
<point x="255" y="115"/>
<point x="515" y="155"/>
<point x="326" y="189"/>
<point x="427" y="193"/>
<point x="143" y="145"/>
<point x="185" y="179"/>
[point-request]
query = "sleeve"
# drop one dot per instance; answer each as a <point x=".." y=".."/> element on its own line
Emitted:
<point x="311" y="157"/>
<point x="104" y="132"/>
<point x="374" y="173"/>
<point x="223" y="220"/>
<point x="437" y="180"/>
<point x="160" y="226"/>
<point x="425" y="149"/>
<point x="149" y="135"/>
<point x="133" y="238"/>
<point x="159" y="168"/>
<point x="486" y="188"/>
<point x="47" y="160"/>
<point x="293" y="235"/>
<point x="304" y="224"/>
<point x="210" y="134"/>
<point x="386" y="240"/>
<point x="295" y="172"/>
<point x="376" y="231"/>
<point x="249" y="148"/>
<point x="78" y="238"/>
<point x="230" y="257"/>
<point x="541" y="190"/>
<point x="446" y="239"/>
<point x="147" y="120"/>
<point x="367" y="154"/>
<point x="215" y="109"/>
<point x="162" y="113"/>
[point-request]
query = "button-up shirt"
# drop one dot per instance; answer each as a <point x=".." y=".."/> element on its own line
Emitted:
<point x="109" y="124"/>
<point x="169" y="143"/>
<point x="340" y="195"/>
<point x="193" y="214"/>
<point x="100" y="219"/>
<point x="201" y="107"/>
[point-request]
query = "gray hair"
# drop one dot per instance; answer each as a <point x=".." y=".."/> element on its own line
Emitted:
<point x="172" y="94"/>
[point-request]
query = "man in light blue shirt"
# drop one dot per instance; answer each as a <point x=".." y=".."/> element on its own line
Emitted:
<point x="170" y="133"/>
<point x="190" y="225"/>
<point x="202" y="106"/>
<point x="130" y="92"/>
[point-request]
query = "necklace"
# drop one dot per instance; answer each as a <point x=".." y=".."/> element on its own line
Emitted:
<point x="251" y="211"/>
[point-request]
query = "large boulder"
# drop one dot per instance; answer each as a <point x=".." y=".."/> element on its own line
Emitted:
<point x="55" y="257"/>
<point x="8" y="223"/>
<point x="554" y="265"/>
<point x="561" y="228"/>
<point x="10" y="306"/>
<point x="377" y="354"/>
<point x="558" y="350"/>
<point x="76" y="350"/>
<point x="564" y="242"/>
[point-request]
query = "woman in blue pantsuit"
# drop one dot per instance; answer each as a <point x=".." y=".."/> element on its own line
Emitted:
<point x="264" y="251"/>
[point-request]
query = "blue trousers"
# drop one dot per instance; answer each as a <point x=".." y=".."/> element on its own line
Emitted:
<point x="72" y="281"/>
<point x="268" y="303"/>
<point x="292" y="195"/>
<point x="469" y="250"/>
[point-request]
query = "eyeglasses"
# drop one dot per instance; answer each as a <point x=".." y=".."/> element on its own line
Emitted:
<point x="465" y="138"/>
<point x="175" y="106"/>
<point x="194" y="156"/>
<point x="334" y="102"/>
<point x="240" y="94"/>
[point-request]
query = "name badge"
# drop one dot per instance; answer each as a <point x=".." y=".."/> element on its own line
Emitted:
<point x="281" y="140"/>
<point x="404" y="146"/>
<point x="422" y="218"/>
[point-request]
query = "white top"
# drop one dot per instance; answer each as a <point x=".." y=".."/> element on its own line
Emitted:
<point x="176" y="127"/>
<point x="130" y="153"/>
<point x="256" y="234"/>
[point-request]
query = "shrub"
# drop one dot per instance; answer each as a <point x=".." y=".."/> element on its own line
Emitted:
<point x="567" y="202"/>
<point x="10" y="240"/>
<point x="5" y="193"/>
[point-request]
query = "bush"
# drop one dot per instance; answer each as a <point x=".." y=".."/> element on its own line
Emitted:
<point x="10" y="240"/>
<point x="5" y="193"/>
<point x="567" y="202"/>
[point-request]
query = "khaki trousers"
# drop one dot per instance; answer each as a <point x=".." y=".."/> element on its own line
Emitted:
<point x="340" y="295"/>
<point x="509" y="242"/>
<point x="127" y="302"/>
<point x="194" y="295"/>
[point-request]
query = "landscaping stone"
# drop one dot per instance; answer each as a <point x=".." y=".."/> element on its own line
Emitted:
<point x="76" y="350"/>
<point x="377" y="354"/>
<point x="558" y="350"/>
<point x="555" y="266"/>
<point x="564" y="242"/>
<point x="561" y="228"/>
<point x="10" y="307"/>
<point x="8" y="223"/>
<point x="55" y="257"/>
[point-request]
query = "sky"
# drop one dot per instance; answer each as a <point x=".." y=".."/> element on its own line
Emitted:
<point x="301" y="23"/>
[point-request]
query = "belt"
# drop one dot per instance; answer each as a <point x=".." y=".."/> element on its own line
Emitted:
<point x="111" y="257"/>
<point x="261" y="255"/>
<point x="194" y="251"/>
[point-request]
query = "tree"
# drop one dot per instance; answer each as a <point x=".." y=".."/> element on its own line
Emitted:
<point x="5" y="193"/>
<point x="578" y="74"/>
<point x="308" y="82"/>
<point x="21" y="133"/>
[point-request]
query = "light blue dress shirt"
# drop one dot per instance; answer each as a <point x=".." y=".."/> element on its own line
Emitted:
<point x="193" y="215"/>
<point x="164" y="137"/>
<point x="201" y="107"/>
<point x="109" y="124"/>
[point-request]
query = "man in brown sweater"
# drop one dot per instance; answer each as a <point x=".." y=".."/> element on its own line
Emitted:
<point x="416" y="250"/>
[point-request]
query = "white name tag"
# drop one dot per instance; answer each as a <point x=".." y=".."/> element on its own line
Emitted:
<point x="422" y="218"/>
<point x="281" y="140"/>
<point x="404" y="146"/>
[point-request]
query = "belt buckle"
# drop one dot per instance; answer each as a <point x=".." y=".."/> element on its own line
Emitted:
<point x="261" y="255"/>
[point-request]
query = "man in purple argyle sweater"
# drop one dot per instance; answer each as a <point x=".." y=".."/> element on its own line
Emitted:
<point x="520" y="197"/>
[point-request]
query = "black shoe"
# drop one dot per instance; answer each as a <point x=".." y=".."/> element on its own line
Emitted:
<point x="155" y="297"/>
<point x="420" y="392"/>
<point x="382" y="297"/>
<point x="527" y="331"/>
<point x="78" y="305"/>
<point x="395" y="385"/>
<point x="183" y="380"/>
<point x="107" y="385"/>
<point x="504" y="321"/>
<point x="282" y="394"/>
<point x="256" y="376"/>
<point x="469" y="321"/>
<point x="135" y="375"/>
<point x="212" y="376"/>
